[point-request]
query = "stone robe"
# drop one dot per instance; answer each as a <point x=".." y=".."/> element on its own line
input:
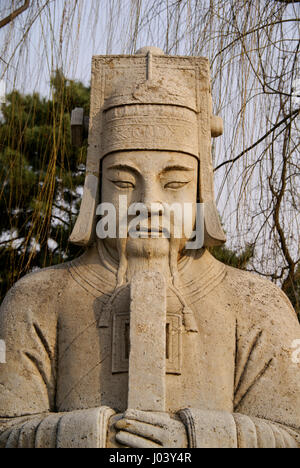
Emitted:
<point x="234" y="383"/>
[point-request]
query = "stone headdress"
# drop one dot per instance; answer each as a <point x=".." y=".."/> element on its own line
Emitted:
<point x="150" y="101"/>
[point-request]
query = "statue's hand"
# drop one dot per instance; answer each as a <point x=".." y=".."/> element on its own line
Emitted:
<point x="141" y="429"/>
<point x="112" y="432"/>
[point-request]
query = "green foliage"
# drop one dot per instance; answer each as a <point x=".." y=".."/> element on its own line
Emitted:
<point x="292" y="290"/>
<point x="71" y="93"/>
<point x="39" y="174"/>
<point x="232" y="258"/>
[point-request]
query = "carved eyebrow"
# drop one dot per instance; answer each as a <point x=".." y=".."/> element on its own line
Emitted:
<point x="177" y="168"/>
<point x="124" y="167"/>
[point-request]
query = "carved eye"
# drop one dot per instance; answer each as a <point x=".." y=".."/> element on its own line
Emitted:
<point x="175" y="185"/>
<point x="123" y="184"/>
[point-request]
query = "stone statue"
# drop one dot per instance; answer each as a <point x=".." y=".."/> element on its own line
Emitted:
<point x="142" y="342"/>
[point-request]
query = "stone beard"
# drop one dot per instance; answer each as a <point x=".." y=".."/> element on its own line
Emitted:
<point x="139" y="342"/>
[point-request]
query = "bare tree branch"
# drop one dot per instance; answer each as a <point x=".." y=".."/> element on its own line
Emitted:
<point x="291" y="116"/>
<point x="14" y="14"/>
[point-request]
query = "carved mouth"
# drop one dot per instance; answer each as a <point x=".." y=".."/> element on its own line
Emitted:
<point x="155" y="232"/>
<point x="160" y="230"/>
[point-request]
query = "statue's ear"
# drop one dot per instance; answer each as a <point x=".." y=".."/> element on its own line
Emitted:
<point x="85" y="227"/>
<point x="213" y="231"/>
<point x="84" y="231"/>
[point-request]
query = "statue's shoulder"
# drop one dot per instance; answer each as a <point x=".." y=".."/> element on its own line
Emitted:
<point x="50" y="278"/>
<point x="258" y="295"/>
<point x="37" y="288"/>
<point x="48" y="287"/>
<point x="248" y="292"/>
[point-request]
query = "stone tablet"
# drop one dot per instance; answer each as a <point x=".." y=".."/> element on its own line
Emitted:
<point x="147" y="359"/>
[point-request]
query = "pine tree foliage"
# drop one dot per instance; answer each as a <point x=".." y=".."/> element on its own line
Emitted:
<point x="234" y="259"/>
<point x="292" y="290"/>
<point x="40" y="179"/>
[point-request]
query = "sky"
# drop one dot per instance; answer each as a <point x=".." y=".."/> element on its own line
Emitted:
<point x="83" y="35"/>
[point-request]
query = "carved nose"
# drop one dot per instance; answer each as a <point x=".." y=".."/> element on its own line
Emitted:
<point x="148" y="195"/>
<point x="155" y="206"/>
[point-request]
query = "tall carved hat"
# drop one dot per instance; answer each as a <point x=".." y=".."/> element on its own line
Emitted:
<point x="150" y="101"/>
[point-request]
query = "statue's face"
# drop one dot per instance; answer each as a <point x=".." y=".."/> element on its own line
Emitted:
<point x="151" y="177"/>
